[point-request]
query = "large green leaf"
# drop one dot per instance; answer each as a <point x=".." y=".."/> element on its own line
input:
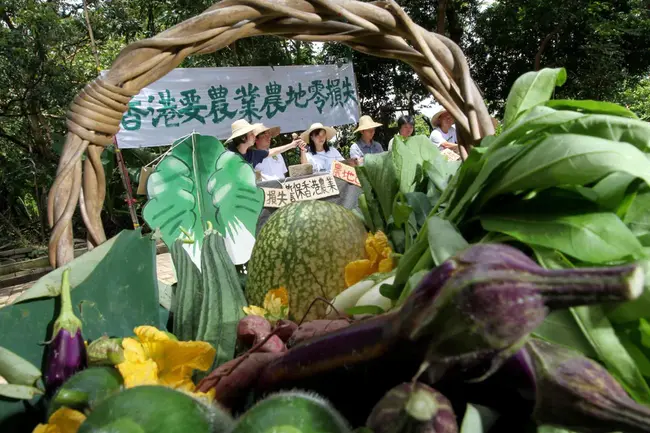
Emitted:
<point x="599" y="237"/>
<point x="637" y="216"/>
<point x="382" y="176"/>
<point x="619" y="129"/>
<point x="407" y="156"/>
<point x="118" y="294"/>
<point x="531" y="124"/>
<point x="238" y="202"/>
<point x="531" y="89"/>
<point x="602" y="336"/>
<point x="17" y="370"/>
<point x="568" y="159"/>
<point x="593" y="107"/>
<point x="178" y="192"/>
<point x="49" y="285"/>
<point x="491" y="166"/>
<point x="444" y="239"/>
<point x="612" y="189"/>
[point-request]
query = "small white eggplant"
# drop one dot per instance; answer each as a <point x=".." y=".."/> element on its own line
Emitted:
<point x="348" y="298"/>
<point x="373" y="297"/>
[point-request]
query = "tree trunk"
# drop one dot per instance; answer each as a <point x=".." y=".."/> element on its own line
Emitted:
<point x="542" y="48"/>
<point x="442" y="10"/>
<point x="455" y="25"/>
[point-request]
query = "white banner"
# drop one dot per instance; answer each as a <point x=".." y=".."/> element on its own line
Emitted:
<point x="208" y="100"/>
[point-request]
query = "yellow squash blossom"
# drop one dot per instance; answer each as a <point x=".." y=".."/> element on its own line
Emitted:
<point x="276" y="306"/>
<point x="379" y="259"/>
<point x="64" y="420"/>
<point x="153" y="358"/>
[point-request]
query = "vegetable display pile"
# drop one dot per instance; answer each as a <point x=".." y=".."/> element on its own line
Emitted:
<point x="506" y="293"/>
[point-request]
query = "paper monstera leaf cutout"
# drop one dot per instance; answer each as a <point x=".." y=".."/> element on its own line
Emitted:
<point x="182" y="206"/>
<point x="239" y="203"/>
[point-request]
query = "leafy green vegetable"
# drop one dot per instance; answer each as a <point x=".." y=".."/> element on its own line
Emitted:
<point x="588" y="106"/>
<point x="595" y="238"/>
<point x="531" y="89"/>
<point x="408" y="156"/>
<point x="444" y="240"/>
<point x="611" y="352"/>
<point x="563" y="159"/>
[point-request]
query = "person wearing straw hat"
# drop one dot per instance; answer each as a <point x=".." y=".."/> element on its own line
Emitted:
<point x="444" y="133"/>
<point x="365" y="144"/>
<point x="318" y="152"/>
<point x="272" y="167"/>
<point x="242" y="139"/>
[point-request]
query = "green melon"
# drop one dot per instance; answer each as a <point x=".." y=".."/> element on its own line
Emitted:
<point x="292" y="412"/>
<point x="304" y="247"/>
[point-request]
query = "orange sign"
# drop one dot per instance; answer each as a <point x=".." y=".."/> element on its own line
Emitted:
<point x="345" y="172"/>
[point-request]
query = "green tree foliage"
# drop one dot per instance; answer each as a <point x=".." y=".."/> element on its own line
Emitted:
<point x="600" y="43"/>
<point x="637" y="98"/>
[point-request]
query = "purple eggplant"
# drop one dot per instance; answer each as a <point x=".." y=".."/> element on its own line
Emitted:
<point x="413" y="408"/>
<point x="477" y="309"/>
<point x="66" y="352"/>
<point x="465" y="318"/>
<point x="576" y="393"/>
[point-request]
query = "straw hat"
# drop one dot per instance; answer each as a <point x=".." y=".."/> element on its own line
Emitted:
<point x="241" y="127"/>
<point x="436" y="116"/>
<point x="331" y="132"/>
<point x="366" y="122"/>
<point x="275" y="130"/>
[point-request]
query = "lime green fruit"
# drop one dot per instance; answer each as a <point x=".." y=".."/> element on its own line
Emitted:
<point x="304" y="247"/>
<point x="87" y="388"/>
<point x="155" y="409"/>
<point x="292" y="412"/>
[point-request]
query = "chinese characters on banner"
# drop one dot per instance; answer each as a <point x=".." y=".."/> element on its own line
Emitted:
<point x="208" y="100"/>
<point x="313" y="188"/>
<point x="345" y="172"/>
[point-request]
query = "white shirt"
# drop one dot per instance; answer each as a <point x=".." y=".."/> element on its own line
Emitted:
<point x="322" y="161"/>
<point x="438" y="137"/>
<point x="272" y="168"/>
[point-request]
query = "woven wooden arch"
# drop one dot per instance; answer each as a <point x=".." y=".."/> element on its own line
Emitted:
<point x="380" y="28"/>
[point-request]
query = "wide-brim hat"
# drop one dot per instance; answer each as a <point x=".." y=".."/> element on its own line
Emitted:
<point x="435" y="117"/>
<point x="275" y="130"/>
<point x="366" y="122"/>
<point x="241" y="127"/>
<point x="331" y="132"/>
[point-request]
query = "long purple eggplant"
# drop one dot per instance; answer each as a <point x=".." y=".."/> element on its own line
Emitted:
<point x="472" y="312"/>
<point x="66" y="352"/>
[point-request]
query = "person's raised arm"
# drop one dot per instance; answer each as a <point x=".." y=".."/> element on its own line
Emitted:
<point x="281" y="149"/>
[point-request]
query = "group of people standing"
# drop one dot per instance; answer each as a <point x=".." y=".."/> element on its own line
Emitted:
<point x="253" y="143"/>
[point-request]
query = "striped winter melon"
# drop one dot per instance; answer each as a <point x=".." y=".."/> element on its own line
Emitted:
<point x="304" y="247"/>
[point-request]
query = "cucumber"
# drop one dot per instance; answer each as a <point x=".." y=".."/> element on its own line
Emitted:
<point x="223" y="299"/>
<point x="155" y="409"/>
<point x="189" y="294"/>
<point x="292" y="412"/>
<point x="87" y="389"/>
